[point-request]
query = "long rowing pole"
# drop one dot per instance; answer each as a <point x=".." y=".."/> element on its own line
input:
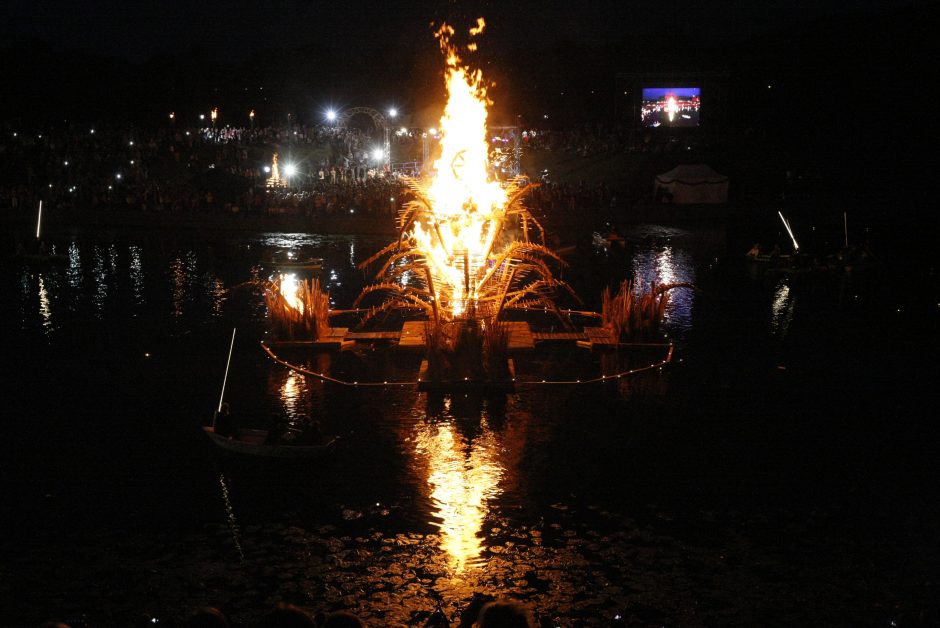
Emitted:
<point x="845" y="227"/>
<point x="39" y="220"/>
<point x="796" y="247"/>
<point x="225" y="379"/>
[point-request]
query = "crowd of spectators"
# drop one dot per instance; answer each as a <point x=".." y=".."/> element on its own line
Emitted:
<point x="177" y="170"/>
<point x="334" y="171"/>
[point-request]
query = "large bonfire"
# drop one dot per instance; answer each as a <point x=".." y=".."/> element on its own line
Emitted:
<point x="464" y="251"/>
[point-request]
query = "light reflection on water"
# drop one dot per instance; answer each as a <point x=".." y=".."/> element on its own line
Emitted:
<point x="295" y="398"/>
<point x="137" y="275"/>
<point x="45" y="310"/>
<point x="782" y="308"/>
<point x="105" y="271"/>
<point x="463" y="476"/>
<point x="667" y="265"/>
<point x="75" y="273"/>
<point x="178" y="275"/>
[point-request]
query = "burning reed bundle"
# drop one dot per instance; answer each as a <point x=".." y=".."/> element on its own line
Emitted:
<point x="632" y="317"/>
<point x="298" y="310"/>
<point x="467" y="350"/>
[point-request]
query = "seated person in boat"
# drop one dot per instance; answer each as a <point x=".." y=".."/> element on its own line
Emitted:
<point x="312" y="435"/>
<point x="755" y="251"/>
<point x="225" y="424"/>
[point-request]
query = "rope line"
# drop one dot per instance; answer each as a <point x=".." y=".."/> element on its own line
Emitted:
<point x="544" y="382"/>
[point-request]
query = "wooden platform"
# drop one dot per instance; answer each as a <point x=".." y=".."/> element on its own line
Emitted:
<point x="413" y="335"/>
<point x="600" y="336"/>
<point x="467" y="386"/>
<point x="558" y="336"/>
<point x="373" y="336"/>
<point x="520" y="336"/>
<point x="336" y="339"/>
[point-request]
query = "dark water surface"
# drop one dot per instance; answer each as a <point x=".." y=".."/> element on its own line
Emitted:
<point x="782" y="471"/>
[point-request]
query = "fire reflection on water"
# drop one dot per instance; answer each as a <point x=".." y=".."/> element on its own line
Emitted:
<point x="295" y="396"/>
<point x="782" y="310"/>
<point x="137" y="275"/>
<point x="667" y="265"/>
<point x="45" y="309"/>
<point x="463" y="476"/>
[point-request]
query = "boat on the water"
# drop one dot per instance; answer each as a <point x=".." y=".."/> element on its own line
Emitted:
<point x="257" y="443"/>
<point x="287" y="261"/>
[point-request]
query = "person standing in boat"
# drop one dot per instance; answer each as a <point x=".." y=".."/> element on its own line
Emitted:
<point x="313" y="435"/>
<point x="224" y="422"/>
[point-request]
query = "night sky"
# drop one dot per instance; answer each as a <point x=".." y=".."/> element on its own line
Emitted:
<point x="232" y="30"/>
<point x="84" y="61"/>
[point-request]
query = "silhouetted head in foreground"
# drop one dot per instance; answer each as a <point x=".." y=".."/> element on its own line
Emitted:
<point x="505" y="614"/>
<point x="342" y="619"/>
<point x="207" y="618"/>
<point x="287" y="616"/>
<point x="53" y="624"/>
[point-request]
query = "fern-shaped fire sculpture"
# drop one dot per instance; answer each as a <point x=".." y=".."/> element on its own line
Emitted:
<point x="465" y="250"/>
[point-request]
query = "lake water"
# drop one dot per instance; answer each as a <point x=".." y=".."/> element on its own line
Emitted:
<point x="781" y="471"/>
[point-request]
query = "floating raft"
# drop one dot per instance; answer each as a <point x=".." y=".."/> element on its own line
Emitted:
<point x="467" y="385"/>
<point x="413" y="336"/>
<point x="336" y="339"/>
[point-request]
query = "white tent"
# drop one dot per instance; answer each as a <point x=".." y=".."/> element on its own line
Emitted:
<point x="695" y="183"/>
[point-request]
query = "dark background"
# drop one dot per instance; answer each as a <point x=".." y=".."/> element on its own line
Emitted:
<point x="88" y="60"/>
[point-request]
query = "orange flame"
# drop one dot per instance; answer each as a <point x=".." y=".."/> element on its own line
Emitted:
<point x="288" y="288"/>
<point x="466" y="201"/>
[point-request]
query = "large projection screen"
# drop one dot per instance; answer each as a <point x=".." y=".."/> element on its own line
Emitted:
<point x="670" y="106"/>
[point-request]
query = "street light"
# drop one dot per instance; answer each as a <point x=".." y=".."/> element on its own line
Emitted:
<point x="290" y="170"/>
<point x="393" y="113"/>
<point x="377" y="154"/>
<point x="331" y="115"/>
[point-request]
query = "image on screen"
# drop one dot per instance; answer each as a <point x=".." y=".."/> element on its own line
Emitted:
<point x="670" y="106"/>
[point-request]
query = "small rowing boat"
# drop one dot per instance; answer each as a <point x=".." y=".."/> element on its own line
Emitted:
<point x="256" y="443"/>
<point x="286" y="261"/>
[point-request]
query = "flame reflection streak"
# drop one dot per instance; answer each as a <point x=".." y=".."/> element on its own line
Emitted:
<point x="45" y="311"/>
<point x="230" y="516"/>
<point x="178" y="276"/>
<point x="462" y="477"/>
<point x="782" y="310"/>
<point x="75" y="270"/>
<point x="218" y="292"/>
<point x="101" y="282"/>
<point x="294" y="392"/>
<point x="137" y="275"/>
<point x="667" y="266"/>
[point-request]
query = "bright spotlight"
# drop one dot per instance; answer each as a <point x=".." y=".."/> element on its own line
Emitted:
<point x="290" y="170"/>
<point x="330" y="115"/>
<point x="393" y="112"/>
<point x="267" y="169"/>
<point x="432" y="131"/>
<point x="377" y="154"/>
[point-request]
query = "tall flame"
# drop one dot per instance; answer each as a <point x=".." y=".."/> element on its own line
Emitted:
<point x="455" y="233"/>
<point x="465" y="199"/>
<point x="289" y="288"/>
